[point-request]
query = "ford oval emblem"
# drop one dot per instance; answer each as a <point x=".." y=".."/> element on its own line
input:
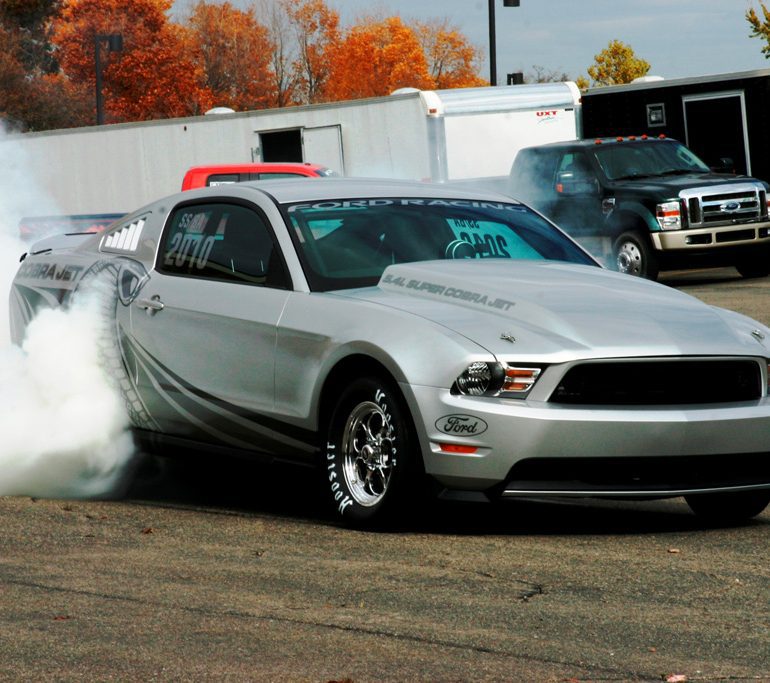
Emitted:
<point x="461" y="425"/>
<point x="729" y="207"/>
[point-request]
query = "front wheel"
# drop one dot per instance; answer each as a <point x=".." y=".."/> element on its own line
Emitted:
<point x="634" y="255"/>
<point x="756" y="265"/>
<point x="728" y="508"/>
<point x="371" y="464"/>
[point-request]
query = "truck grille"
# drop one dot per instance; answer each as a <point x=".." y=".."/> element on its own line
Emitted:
<point x="660" y="383"/>
<point x="725" y="205"/>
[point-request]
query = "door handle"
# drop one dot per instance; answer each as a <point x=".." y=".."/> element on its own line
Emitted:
<point x="152" y="306"/>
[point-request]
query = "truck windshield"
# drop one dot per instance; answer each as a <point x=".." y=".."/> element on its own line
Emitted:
<point x="628" y="160"/>
<point x="348" y="243"/>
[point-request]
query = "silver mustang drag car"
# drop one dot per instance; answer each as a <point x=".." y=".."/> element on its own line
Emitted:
<point x="401" y="334"/>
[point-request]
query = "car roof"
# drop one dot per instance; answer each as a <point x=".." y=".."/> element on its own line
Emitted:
<point x="597" y="142"/>
<point x="256" y="165"/>
<point x="297" y="190"/>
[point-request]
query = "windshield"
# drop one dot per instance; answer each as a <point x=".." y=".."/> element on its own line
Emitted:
<point x="627" y="160"/>
<point x="348" y="243"/>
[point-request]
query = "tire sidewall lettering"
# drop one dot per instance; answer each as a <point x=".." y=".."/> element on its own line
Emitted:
<point x="338" y="491"/>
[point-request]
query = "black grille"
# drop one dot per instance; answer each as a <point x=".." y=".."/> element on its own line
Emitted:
<point x="693" y="206"/>
<point x="662" y="382"/>
<point x="736" y="236"/>
<point x="646" y="474"/>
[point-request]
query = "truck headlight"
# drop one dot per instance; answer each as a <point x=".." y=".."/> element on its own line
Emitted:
<point x="496" y="379"/>
<point x="669" y="215"/>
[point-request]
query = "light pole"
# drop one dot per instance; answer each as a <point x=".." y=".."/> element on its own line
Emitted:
<point x="493" y="41"/>
<point x="114" y="42"/>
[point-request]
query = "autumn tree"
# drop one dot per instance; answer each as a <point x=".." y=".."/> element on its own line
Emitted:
<point x="376" y="58"/>
<point x="760" y="28"/>
<point x="157" y="74"/>
<point x="30" y="20"/>
<point x="451" y="60"/>
<point x="13" y="84"/>
<point x="283" y="74"/>
<point x="234" y="51"/>
<point x="32" y="94"/>
<point x="317" y="32"/>
<point x="616" y="64"/>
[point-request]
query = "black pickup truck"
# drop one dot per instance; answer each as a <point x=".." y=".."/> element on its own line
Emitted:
<point x="660" y="206"/>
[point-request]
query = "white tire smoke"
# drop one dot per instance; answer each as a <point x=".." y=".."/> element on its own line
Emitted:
<point x="63" y="426"/>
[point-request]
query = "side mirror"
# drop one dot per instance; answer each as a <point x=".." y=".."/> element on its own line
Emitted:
<point x="725" y="165"/>
<point x="572" y="184"/>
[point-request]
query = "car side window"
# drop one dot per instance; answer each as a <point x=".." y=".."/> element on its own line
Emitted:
<point x="222" y="179"/>
<point x="577" y="164"/>
<point x="221" y="242"/>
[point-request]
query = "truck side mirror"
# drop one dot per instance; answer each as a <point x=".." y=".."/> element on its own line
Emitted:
<point x="572" y="184"/>
<point x="725" y="165"/>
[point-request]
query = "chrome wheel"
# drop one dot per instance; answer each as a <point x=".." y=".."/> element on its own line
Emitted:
<point x="629" y="259"/>
<point x="634" y="255"/>
<point x="368" y="453"/>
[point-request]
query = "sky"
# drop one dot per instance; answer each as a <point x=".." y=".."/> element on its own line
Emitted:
<point x="679" y="38"/>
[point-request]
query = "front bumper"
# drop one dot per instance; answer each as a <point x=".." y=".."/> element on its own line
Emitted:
<point x="743" y="234"/>
<point x="531" y="447"/>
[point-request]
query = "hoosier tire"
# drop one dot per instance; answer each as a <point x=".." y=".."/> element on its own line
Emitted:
<point x="112" y="284"/>
<point x="371" y="466"/>
<point x="728" y="508"/>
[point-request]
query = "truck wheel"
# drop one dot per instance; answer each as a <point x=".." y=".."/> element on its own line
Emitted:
<point x="371" y="464"/>
<point x="754" y="266"/>
<point x="728" y="508"/>
<point x="634" y="255"/>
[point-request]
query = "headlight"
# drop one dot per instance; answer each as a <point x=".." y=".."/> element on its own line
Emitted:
<point x="496" y="379"/>
<point x="669" y="215"/>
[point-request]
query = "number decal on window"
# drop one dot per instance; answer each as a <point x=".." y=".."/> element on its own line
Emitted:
<point x="192" y="250"/>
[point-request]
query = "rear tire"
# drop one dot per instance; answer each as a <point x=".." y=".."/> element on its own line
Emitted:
<point x="371" y="464"/>
<point x="634" y="255"/>
<point x="728" y="508"/>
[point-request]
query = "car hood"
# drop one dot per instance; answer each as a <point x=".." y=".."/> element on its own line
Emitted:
<point x="559" y="311"/>
<point x="672" y="184"/>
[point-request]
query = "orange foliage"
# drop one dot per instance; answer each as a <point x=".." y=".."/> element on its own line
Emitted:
<point x="317" y="33"/>
<point x="376" y="58"/>
<point x="219" y="55"/>
<point x="12" y="81"/>
<point x="235" y="51"/>
<point x="452" y="61"/>
<point x="155" y="76"/>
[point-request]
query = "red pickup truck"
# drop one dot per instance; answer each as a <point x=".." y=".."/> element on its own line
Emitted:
<point x="220" y="174"/>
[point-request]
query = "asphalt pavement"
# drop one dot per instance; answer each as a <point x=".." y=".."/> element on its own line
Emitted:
<point x="231" y="572"/>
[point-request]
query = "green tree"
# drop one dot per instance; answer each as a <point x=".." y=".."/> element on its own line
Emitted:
<point x="616" y="64"/>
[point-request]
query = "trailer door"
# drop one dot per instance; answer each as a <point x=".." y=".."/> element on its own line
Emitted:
<point x="323" y="145"/>
<point x="715" y="128"/>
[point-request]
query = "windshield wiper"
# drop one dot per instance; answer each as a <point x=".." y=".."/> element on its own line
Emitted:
<point x="635" y="176"/>
<point x="682" y="171"/>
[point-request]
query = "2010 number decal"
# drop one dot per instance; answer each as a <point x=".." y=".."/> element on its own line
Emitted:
<point x="185" y="249"/>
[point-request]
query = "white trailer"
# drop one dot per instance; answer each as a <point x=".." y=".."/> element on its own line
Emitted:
<point x="428" y="135"/>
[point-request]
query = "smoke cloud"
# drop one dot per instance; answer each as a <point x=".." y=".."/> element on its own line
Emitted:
<point x="63" y="427"/>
